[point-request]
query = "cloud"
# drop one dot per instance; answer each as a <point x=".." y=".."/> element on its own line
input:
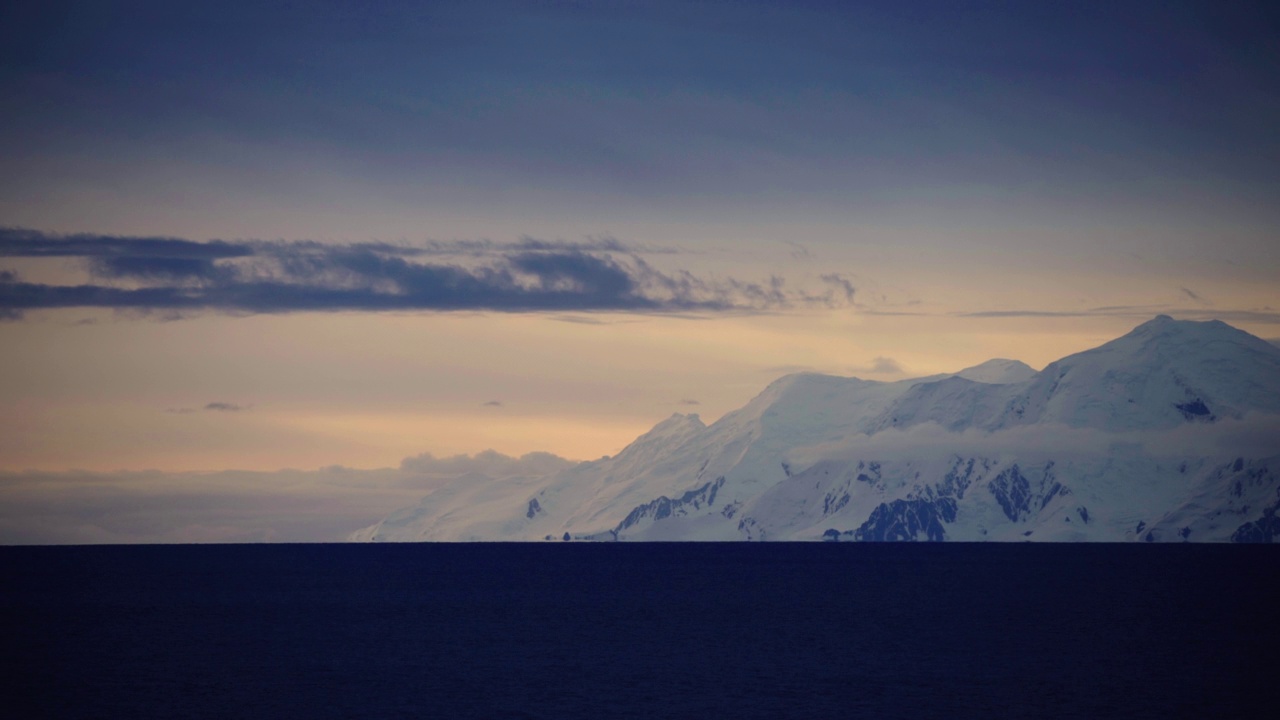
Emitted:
<point x="224" y="407"/>
<point x="25" y="242"/>
<point x="230" y="506"/>
<point x="526" y="243"/>
<point x="1257" y="315"/>
<point x="489" y="463"/>
<point x="688" y="401"/>
<point x="798" y="251"/>
<point x="1266" y="316"/>
<point x="22" y="242"/>
<point x="840" y="288"/>
<point x="1195" y="296"/>
<point x="579" y="320"/>
<point x="886" y="366"/>
<point x="493" y="403"/>
<point x="323" y="505"/>
<point x="893" y="313"/>
<point x="1023" y="314"/>
<point x="158" y="268"/>
<point x="176" y="276"/>
<point x="789" y="369"/>
<point x="1251" y="436"/>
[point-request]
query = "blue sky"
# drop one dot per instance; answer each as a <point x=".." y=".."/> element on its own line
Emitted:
<point x="696" y="107"/>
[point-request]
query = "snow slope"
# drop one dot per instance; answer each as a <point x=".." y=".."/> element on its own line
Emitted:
<point x="1167" y="433"/>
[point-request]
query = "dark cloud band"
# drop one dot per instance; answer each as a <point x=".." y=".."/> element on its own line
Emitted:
<point x="173" y="274"/>
<point x="21" y="242"/>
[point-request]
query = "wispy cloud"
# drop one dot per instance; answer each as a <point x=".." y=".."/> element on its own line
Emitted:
<point x="1022" y="313"/>
<point x="492" y="403"/>
<point x="224" y="407"/>
<point x="1264" y="315"/>
<point x="1251" y="436"/>
<point x="886" y="366"/>
<point x="789" y="369"/>
<point x="1195" y="296"/>
<point x="840" y="288"/>
<point x="798" y="251"/>
<point x="22" y="242"/>
<point x="688" y="401"/>
<point x="233" y="506"/>
<point x="175" y="275"/>
<point x="487" y="462"/>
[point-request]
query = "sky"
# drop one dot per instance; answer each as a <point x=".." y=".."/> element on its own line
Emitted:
<point x="270" y="235"/>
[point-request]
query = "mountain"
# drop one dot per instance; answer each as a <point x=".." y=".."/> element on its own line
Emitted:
<point x="1169" y="433"/>
<point x="998" y="372"/>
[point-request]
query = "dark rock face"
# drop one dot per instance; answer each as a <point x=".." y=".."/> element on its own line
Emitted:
<point x="1050" y="489"/>
<point x="534" y="508"/>
<point x="869" y="473"/>
<point x="842" y="492"/>
<point x="751" y="530"/>
<point x="925" y="512"/>
<point x="835" y="500"/>
<point x="1013" y="492"/>
<point x="1244" y="480"/>
<point x="1016" y="496"/>
<point x="1195" y="410"/>
<point x="664" y="507"/>
<point x="905" y="520"/>
<point x="960" y="477"/>
<point x="1265" y="529"/>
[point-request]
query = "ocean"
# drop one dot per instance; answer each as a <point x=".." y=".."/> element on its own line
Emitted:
<point x="568" y="630"/>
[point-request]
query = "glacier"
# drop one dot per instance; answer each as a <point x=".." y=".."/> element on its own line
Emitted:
<point x="1170" y="433"/>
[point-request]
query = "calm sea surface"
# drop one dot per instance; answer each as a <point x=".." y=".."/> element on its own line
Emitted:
<point x="641" y="631"/>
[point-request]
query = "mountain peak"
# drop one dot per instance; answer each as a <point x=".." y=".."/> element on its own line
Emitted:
<point x="677" y="425"/>
<point x="1162" y="373"/>
<point x="1181" y="336"/>
<point x="1166" y="325"/>
<point x="679" y="420"/>
<point x="998" y="371"/>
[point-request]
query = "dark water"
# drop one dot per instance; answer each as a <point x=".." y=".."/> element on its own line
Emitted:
<point x="622" y="631"/>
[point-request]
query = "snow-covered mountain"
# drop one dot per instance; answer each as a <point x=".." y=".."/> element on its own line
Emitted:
<point x="1169" y="433"/>
<point x="998" y="372"/>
